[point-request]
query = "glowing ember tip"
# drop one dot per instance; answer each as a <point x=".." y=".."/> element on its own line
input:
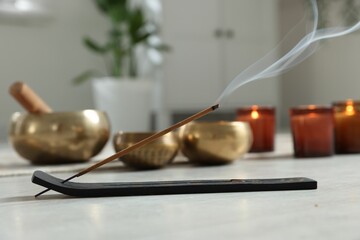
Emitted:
<point x="215" y="107"/>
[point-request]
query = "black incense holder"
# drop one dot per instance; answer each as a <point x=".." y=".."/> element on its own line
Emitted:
<point x="170" y="187"/>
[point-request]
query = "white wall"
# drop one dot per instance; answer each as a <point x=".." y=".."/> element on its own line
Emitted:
<point x="49" y="55"/>
<point x="337" y="70"/>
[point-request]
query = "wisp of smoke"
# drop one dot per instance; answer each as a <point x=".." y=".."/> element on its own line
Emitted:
<point x="266" y="68"/>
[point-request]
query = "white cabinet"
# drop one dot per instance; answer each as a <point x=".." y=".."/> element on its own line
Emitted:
<point x="213" y="41"/>
<point x="191" y="71"/>
<point x="254" y="26"/>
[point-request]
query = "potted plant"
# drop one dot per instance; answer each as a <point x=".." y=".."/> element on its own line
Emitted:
<point x="123" y="92"/>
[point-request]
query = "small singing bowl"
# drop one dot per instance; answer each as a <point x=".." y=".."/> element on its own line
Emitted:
<point x="215" y="142"/>
<point x="155" y="154"/>
<point x="59" y="137"/>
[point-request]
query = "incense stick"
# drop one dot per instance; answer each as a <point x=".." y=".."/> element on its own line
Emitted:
<point x="139" y="144"/>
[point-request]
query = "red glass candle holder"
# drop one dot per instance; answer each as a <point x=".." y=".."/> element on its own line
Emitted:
<point x="262" y="123"/>
<point x="312" y="130"/>
<point x="347" y="126"/>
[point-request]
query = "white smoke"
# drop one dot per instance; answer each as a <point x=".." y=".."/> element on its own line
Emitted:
<point x="266" y="68"/>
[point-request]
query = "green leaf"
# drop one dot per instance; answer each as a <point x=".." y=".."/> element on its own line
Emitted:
<point x="95" y="47"/>
<point x="136" y="23"/>
<point x="118" y="15"/>
<point x="115" y="10"/>
<point x="107" y="5"/>
<point x="85" y="76"/>
<point x="115" y="33"/>
<point x="136" y="20"/>
<point x="141" y="38"/>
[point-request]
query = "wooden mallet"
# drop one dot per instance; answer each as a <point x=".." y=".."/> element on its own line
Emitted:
<point x="28" y="99"/>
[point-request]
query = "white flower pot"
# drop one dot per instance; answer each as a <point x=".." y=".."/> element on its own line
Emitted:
<point x="128" y="102"/>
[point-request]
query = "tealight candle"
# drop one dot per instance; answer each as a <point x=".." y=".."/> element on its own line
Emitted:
<point x="347" y="126"/>
<point x="262" y="123"/>
<point x="312" y="131"/>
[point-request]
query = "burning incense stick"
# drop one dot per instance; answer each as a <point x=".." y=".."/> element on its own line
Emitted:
<point x="139" y="144"/>
<point x="28" y="98"/>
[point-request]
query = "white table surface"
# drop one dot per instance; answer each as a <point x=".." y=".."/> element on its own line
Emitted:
<point x="330" y="212"/>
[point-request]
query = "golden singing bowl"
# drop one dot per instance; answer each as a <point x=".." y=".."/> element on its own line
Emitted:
<point x="59" y="137"/>
<point x="215" y="142"/>
<point x="155" y="154"/>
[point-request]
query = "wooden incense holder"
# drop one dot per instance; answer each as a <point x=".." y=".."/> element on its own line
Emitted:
<point x="28" y="99"/>
<point x="170" y="187"/>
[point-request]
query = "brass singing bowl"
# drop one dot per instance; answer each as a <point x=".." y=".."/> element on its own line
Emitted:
<point x="155" y="154"/>
<point x="215" y="142"/>
<point x="59" y="137"/>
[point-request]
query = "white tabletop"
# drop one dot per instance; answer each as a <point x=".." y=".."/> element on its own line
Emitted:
<point x="330" y="212"/>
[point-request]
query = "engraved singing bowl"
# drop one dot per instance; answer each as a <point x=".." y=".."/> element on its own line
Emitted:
<point x="59" y="137"/>
<point x="215" y="142"/>
<point x="155" y="154"/>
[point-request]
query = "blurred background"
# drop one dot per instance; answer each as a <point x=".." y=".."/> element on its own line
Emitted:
<point x="211" y="41"/>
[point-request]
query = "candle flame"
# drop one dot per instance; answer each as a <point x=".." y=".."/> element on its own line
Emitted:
<point x="311" y="107"/>
<point x="349" y="110"/>
<point x="349" y="102"/>
<point x="254" y="114"/>
<point x="311" y="114"/>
